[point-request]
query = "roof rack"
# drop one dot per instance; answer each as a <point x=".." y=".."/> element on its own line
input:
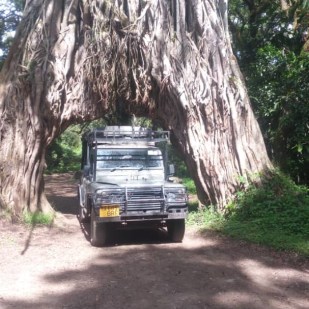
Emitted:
<point x="126" y="134"/>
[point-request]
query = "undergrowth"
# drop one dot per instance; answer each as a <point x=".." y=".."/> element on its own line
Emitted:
<point x="38" y="218"/>
<point x="189" y="184"/>
<point x="274" y="214"/>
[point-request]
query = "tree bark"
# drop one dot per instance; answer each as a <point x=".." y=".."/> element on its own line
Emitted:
<point x="170" y="60"/>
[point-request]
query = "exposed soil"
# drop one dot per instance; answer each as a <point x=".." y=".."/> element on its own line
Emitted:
<point x="56" y="267"/>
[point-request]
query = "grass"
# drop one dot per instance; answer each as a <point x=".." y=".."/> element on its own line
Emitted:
<point x="38" y="218"/>
<point x="275" y="214"/>
<point x="206" y="218"/>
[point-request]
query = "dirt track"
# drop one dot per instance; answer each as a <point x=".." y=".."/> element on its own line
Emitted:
<point x="57" y="268"/>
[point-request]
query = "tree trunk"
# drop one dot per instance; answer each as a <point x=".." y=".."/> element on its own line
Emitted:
<point x="170" y="60"/>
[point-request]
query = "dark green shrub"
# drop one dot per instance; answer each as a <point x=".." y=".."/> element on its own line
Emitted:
<point x="275" y="213"/>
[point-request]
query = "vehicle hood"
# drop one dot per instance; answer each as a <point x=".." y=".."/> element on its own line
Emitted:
<point x="127" y="177"/>
<point x="134" y="184"/>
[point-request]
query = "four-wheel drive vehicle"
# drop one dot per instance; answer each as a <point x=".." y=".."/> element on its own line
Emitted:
<point x="125" y="183"/>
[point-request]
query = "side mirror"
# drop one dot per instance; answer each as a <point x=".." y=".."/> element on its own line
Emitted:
<point x="171" y="170"/>
<point x="171" y="174"/>
<point x="86" y="170"/>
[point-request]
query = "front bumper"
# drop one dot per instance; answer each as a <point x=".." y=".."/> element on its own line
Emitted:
<point x="142" y="204"/>
<point x="144" y="215"/>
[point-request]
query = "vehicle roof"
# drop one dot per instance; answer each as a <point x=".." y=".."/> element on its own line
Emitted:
<point x="126" y="135"/>
<point x="126" y="146"/>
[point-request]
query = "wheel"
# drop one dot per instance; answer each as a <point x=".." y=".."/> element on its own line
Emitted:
<point x="176" y="229"/>
<point x="98" y="231"/>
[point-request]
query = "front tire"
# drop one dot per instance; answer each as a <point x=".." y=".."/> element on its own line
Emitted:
<point x="98" y="231"/>
<point x="176" y="229"/>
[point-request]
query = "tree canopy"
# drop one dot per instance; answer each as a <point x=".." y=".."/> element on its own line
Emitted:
<point x="270" y="40"/>
<point x="10" y="16"/>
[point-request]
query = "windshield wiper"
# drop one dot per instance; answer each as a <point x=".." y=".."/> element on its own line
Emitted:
<point x="121" y="166"/>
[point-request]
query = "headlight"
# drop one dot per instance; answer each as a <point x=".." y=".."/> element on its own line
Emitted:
<point x="171" y="197"/>
<point x="178" y="195"/>
<point x="108" y="197"/>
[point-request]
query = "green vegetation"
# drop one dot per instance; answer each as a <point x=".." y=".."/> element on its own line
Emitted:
<point x="205" y="218"/>
<point x="281" y="104"/>
<point x="181" y="170"/>
<point x="189" y="184"/>
<point x="274" y="214"/>
<point x="38" y="218"/>
<point x="10" y="15"/>
<point x="271" y="46"/>
<point x="65" y="152"/>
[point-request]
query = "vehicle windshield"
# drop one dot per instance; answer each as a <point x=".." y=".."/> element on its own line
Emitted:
<point x="114" y="159"/>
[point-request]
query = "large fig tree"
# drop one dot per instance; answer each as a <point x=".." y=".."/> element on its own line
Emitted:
<point x="169" y="60"/>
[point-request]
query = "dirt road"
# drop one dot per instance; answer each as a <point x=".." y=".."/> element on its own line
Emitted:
<point x="57" y="268"/>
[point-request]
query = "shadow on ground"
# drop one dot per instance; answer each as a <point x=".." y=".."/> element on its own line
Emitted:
<point x="61" y="192"/>
<point x="172" y="276"/>
<point x="131" y="237"/>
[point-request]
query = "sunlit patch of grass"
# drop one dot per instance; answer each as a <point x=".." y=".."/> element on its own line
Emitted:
<point x="206" y="218"/>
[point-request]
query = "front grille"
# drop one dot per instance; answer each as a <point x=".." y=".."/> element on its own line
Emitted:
<point x="145" y="199"/>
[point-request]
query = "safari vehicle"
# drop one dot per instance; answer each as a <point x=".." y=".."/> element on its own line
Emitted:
<point x="126" y="183"/>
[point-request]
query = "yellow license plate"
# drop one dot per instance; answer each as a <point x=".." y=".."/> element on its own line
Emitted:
<point x="109" y="211"/>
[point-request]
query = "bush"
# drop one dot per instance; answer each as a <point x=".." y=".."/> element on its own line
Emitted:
<point x="275" y="213"/>
<point x="64" y="154"/>
<point x="38" y="218"/>
<point x="278" y="204"/>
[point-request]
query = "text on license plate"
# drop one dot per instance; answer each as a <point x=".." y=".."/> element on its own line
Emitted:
<point x="109" y="211"/>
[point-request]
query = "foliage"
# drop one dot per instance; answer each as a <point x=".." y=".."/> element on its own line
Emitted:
<point x="10" y="14"/>
<point x="38" y="218"/>
<point x="177" y="159"/>
<point x="271" y="46"/>
<point x="205" y="218"/>
<point x="281" y="103"/>
<point x="255" y="24"/>
<point x="274" y="214"/>
<point x="63" y="155"/>
<point x="181" y="170"/>
<point x="189" y="184"/>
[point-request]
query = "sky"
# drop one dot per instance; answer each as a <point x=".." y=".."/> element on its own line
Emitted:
<point x="6" y="7"/>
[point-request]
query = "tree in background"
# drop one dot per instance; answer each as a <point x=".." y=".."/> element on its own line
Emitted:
<point x="74" y="61"/>
<point x="10" y="15"/>
<point x="271" y="44"/>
